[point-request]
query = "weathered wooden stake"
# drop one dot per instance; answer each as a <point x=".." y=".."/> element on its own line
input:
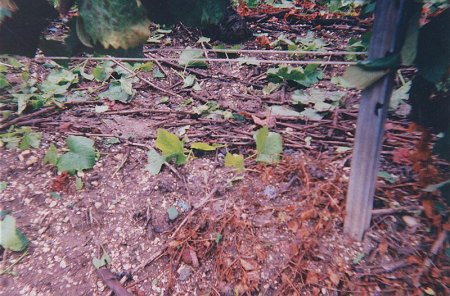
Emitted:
<point x="387" y="37"/>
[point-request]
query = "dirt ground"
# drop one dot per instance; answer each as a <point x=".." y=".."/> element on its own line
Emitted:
<point x="270" y="230"/>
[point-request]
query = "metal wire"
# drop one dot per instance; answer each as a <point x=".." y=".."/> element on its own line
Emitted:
<point x="262" y="51"/>
<point x="239" y="60"/>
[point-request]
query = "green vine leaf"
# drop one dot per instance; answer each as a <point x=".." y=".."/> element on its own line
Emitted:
<point x="155" y="162"/>
<point x="51" y="156"/>
<point x="170" y="146"/>
<point x="113" y="23"/>
<point x="81" y="155"/>
<point x="79" y="184"/>
<point x="269" y="145"/>
<point x="30" y="140"/>
<point x="306" y="77"/>
<point x="188" y="56"/>
<point x="360" y="78"/>
<point x="234" y="161"/>
<point x="102" y="261"/>
<point x="12" y="238"/>
<point x="204" y="146"/>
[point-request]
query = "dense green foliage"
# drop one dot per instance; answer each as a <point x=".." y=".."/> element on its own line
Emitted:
<point x="110" y="24"/>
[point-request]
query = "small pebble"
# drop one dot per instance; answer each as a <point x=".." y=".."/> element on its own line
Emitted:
<point x="184" y="272"/>
<point x="32" y="160"/>
<point x="410" y="221"/>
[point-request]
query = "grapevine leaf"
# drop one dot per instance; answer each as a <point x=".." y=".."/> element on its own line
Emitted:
<point x="170" y="146"/>
<point x="234" y="161"/>
<point x="204" y="146"/>
<point x="388" y="177"/>
<point x="283" y="111"/>
<point x="30" y="140"/>
<point x="12" y="238"/>
<point x="188" y="56"/>
<point x="118" y="91"/>
<point x="172" y="212"/>
<point x="409" y="49"/>
<point x="313" y="96"/>
<point x="269" y="145"/>
<point x="270" y="88"/>
<point x="81" y="155"/>
<point x="434" y="187"/>
<point x="78" y="183"/>
<point x="3" y="81"/>
<point x="154" y="162"/>
<point x="189" y="81"/>
<point x="399" y="96"/>
<point x="101" y="108"/>
<point x="51" y="156"/>
<point x="360" y="78"/>
<point x="102" y="261"/>
<point x="3" y="185"/>
<point x="388" y="62"/>
<point x="146" y="67"/>
<point x="299" y="76"/>
<point x="113" y="23"/>
<point x="251" y="61"/>
<point x="311" y="114"/>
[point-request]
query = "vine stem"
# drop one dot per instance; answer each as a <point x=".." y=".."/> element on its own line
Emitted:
<point x="7" y="269"/>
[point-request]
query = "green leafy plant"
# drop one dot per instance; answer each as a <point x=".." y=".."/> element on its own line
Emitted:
<point x="234" y="161"/>
<point x="170" y="146"/>
<point x="342" y="6"/>
<point x="22" y="138"/>
<point x="309" y="43"/>
<point x="317" y="101"/>
<point x="104" y="260"/>
<point x="189" y="56"/>
<point x="114" y="23"/>
<point x="211" y="109"/>
<point x="51" y="156"/>
<point x="102" y="71"/>
<point x="11" y="238"/>
<point x="172" y="212"/>
<point x="298" y="76"/>
<point x="269" y="145"/>
<point x="3" y="81"/>
<point x="358" y="44"/>
<point x="3" y="185"/>
<point x="191" y="81"/>
<point x="400" y="96"/>
<point x="366" y="73"/>
<point x="205" y="146"/>
<point x="228" y="55"/>
<point x="154" y="162"/>
<point x="119" y="90"/>
<point x="81" y="155"/>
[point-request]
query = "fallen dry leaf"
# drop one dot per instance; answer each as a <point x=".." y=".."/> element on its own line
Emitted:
<point x="309" y="214"/>
<point x="263" y="41"/>
<point x="335" y="279"/>
<point x="292" y="225"/>
<point x="248" y="265"/>
<point x="60" y="183"/>
<point x="402" y="156"/>
<point x="312" y="278"/>
<point x="382" y="247"/>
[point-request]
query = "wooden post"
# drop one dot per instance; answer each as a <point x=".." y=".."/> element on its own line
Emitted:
<point x="387" y="37"/>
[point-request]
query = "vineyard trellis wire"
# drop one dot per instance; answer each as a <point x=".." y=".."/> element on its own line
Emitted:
<point x="227" y="59"/>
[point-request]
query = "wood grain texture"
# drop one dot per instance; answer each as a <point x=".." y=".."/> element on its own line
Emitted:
<point x="388" y="35"/>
